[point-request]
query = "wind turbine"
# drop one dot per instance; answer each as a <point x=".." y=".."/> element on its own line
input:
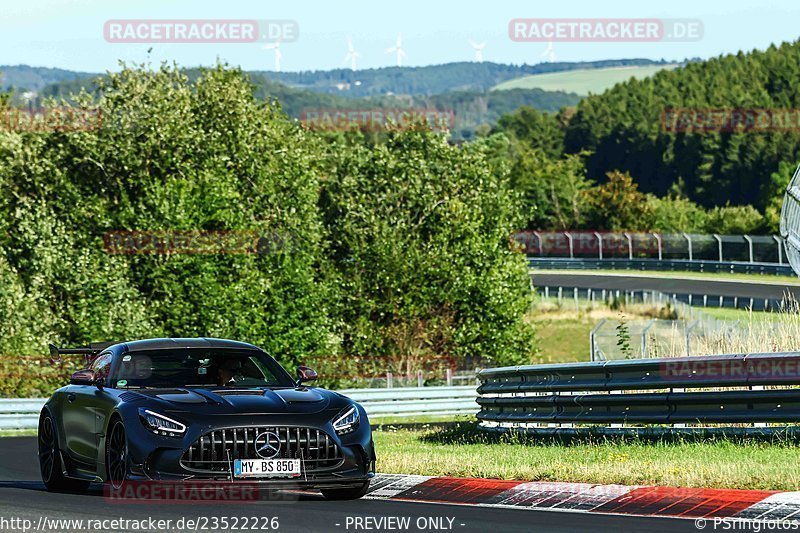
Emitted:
<point x="397" y="49"/>
<point x="352" y="56"/>
<point x="549" y="54"/>
<point x="278" y="55"/>
<point x="478" y="47"/>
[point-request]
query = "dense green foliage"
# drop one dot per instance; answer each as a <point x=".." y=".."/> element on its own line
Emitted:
<point x="374" y="245"/>
<point x="419" y="233"/>
<point x="621" y="130"/>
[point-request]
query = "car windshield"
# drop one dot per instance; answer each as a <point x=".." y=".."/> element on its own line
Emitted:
<point x="192" y="367"/>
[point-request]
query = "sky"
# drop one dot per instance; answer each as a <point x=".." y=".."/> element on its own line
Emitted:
<point x="69" y="34"/>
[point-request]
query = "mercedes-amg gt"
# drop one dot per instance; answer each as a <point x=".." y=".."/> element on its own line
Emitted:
<point x="201" y="409"/>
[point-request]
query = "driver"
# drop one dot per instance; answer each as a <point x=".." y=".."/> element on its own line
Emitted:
<point x="229" y="371"/>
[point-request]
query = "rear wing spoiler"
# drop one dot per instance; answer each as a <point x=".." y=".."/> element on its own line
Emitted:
<point x="88" y="352"/>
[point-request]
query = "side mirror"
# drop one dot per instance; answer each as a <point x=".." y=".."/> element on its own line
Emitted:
<point x="305" y="374"/>
<point x="83" y="377"/>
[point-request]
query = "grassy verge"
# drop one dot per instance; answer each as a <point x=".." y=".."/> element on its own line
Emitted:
<point x="465" y="452"/>
<point x="419" y="419"/>
<point x="17" y="432"/>
<point x="563" y="331"/>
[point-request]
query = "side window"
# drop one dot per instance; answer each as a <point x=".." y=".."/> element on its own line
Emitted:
<point x="102" y="365"/>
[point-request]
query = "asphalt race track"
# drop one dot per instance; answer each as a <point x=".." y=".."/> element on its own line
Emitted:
<point x="23" y="496"/>
<point x="768" y="289"/>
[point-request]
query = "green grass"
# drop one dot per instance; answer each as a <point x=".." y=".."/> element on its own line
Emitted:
<point x="564" y="340"/>
<point x="767" y="278"/>
<point x="582" y="81"/>
<point x="466" y="452"/>
<point x="417" y="419"/>
<point x="17" y="432"/>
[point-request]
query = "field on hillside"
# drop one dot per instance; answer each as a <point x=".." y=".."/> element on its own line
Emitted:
<point x="582" y="81"/>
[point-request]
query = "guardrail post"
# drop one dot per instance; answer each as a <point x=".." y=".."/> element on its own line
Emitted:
<point x="780" y="248"/>
<point x="571" y="245"/>
<point x="389" y="383"/>
<point x="719" y="244"/>
<point x="420" y="379"/>
<point x="630" y="245"/>
<point x="599" y="244"/>
<point x="689" y="241"/>
<point x="749" y="246"/>
<point x="449" y="377"/>
<point x="658" y="240"/>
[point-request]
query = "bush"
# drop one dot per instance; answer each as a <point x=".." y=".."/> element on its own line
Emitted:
<point x="420" y="240"/>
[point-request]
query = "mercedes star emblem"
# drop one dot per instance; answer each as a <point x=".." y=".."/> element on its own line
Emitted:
<point x="267" y="445"/>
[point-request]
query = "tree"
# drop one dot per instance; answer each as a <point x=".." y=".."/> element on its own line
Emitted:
<point x="618" y="205"/>
<point x="420" y="240"/>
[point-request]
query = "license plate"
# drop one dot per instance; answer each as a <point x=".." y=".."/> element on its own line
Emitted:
<point x="266" y="467"/>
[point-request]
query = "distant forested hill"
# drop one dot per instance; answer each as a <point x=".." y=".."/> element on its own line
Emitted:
<point x="472" y="108"/>
<point x="25" y="78"/>
<point x="430" y="80"/>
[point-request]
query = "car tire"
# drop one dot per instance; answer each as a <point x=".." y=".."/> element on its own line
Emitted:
<point x="117" y="462"/>
<point x="346" y="494"/>
<point x="50" y="465"/>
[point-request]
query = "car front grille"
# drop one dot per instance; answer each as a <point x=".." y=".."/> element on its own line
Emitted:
<point x="215" y="451"/>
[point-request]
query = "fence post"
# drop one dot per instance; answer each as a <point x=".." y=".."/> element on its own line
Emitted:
<point x="719" y="244"/>
<point x="571" y="245"/>
<point x="593" y="342"/>
<point x="389" y="383"/>
<point x="539" y="238"/>
<point x="689" y="241"/>
<point x="780" y="248"/>
<point x="644" y="337"/>
<point x="658" y="240"/>
<point x="630" y="245"/>
<point x="599" y="244"/>
<point x="749" y="246"/>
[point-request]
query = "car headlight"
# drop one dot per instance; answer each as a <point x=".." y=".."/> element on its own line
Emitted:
<point x="160" y="424"/>
<point x="346" y="421"/>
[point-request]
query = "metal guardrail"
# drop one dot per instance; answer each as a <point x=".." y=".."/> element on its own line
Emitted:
<point x="23" y="413"/>
<point x="20" y="413"/>
<point x="589" y="244"/>
<point x="683" y="265"/>
<point x="728" y="389"/>
<point x="416" y="400"/>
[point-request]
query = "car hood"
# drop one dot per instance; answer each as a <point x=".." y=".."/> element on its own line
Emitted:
<point x="243" y="401"/>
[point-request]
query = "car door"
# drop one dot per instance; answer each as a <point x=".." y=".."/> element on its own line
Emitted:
<point x="84" y="405"/>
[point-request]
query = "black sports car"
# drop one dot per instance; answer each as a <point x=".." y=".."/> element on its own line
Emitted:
<point x="201" y="409"/>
